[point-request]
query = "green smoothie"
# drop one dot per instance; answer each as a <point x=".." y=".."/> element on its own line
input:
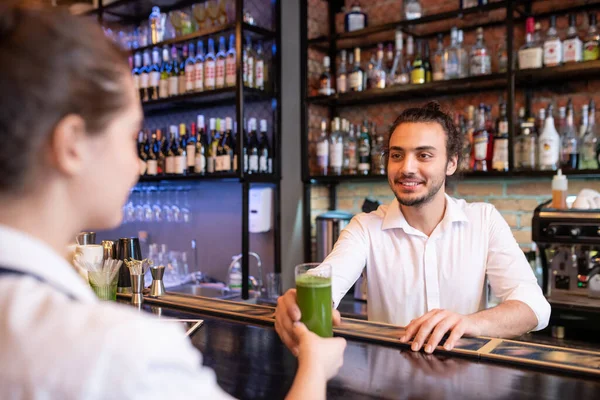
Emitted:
<point x="313" y="294"/>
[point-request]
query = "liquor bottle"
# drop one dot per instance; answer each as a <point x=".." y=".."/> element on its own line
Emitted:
<point x="463" y="56"/>
<point x="417" y="73"/>
<point x="572" y="46"/>
<point x="552" y="45"/>
<point x="427" y="63"/>
<point x="145" y="77"/>
<point x="584" y="124"/>
<point x="350" y="162"/>
<point x="342" y="74"/>
<point x="227" y="146"/>
<point x="245" y="145"/>
<point x="156" y="28"/>
<point x="181" y="79"/>
<point x="199" y="68"/>
<point x="570" y="143"/>
<point x="399" y="74"/>
<point x="220" y="65"/>
<point x="389" y="65"/>
<point x="463" y="4"/>
<point x="323" y="150"/>
<point x="451" y="57"/>
<point x="531" y="53"/>
<point x="160" y="156"/>
<point x="467" y="163"/>
<point x="502" y="56"/>
<point x="211" y="153"/>
<point x="164" y="150"/>
<point x="174" y="73"/>
<point x="218" y="146"/>
<point x="210" y="68"/>
<point x="589" y="159"/>
<point x="230" y="70"/>
<point x="591" y="41"/>
<point x="356" y="19"/>
<point x="265" y="157"/>
<point x="357" y="75"/>
<point x="178" y="149"/>
<point x="412" y="9"/>
<point x="253" y="151"/>
<point x="364" y="150"/>
<point x="481" y="138"/>
<point x="527" y="147"/>
<point x="410" y="54"/>
<point x="378" y="74"/>
<point x="248" y="73"/>
<point x="438" y="60"/>
<point x="142" y="154"/>
<point x="336" y="148"/>
<point x="190" y="69"/>
<point x="480" y="57"/>
<point x="377" y="160"/>
<point x="562" y="120"/>
<point x="190" y="149"/>
<point x="201" y="147"/>
<point x="549" y="144"/>
<point x="154" y="78"/>
<point x="325" y="81"/>
<point x="541" y="121"/>
<point x="259" y="71"/>
<point x="500" y="157"/>
<point x="170" y="154"/>
<point x="165" y="73"/>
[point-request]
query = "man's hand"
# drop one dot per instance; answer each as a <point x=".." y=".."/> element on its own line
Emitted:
<point x="288" y="312"/>
<point x="437" y="323"/>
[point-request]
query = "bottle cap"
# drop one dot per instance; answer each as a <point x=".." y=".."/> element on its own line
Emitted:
<point x="559" y="182"/>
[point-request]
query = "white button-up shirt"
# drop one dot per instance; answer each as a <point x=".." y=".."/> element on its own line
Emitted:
<point x="55" y="347"/>
<point x="409" y="273"/>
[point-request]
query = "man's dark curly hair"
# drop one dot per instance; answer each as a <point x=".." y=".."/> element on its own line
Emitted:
<point x="431" y="112"/>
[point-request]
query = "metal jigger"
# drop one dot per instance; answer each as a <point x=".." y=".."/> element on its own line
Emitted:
<point x="158" y="287"/>
<point x="137" y="285"/>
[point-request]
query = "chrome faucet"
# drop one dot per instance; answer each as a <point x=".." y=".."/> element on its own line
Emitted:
<point x="258" y="284"/>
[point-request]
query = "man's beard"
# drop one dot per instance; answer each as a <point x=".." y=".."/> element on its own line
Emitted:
<point x="419" y="201"/>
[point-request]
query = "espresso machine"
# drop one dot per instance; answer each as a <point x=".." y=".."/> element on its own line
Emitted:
<point x="569" y="249"/>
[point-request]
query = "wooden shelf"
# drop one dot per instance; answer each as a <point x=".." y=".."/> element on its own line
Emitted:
<point x="558" y="75"/>
<point x="409" y="92"/>
<point x="217" y="177"/>
<point x="580" y="174"/>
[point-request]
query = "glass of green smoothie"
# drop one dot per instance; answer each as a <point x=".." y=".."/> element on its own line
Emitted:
<point x="313" y="294"/>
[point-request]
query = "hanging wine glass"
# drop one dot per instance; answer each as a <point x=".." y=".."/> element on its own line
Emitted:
<point x="176" y="210"/>
<point x="148" y="213"/>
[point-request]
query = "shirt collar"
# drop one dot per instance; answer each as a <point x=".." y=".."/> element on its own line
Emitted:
<point x="22" y="252"/>
<point x="395" y="219"/>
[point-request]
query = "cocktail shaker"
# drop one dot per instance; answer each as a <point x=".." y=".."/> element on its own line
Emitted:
<point x="85" y="238"/>
<point x="127" y="248"/>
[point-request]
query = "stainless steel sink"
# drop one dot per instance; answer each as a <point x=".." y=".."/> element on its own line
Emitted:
<point x="223" y="293"/>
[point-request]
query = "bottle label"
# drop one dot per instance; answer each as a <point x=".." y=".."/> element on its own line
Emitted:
<point x="438" y="76"/>
<point x="590" y="51"/>
<point x="220" y="80"/>
<point x="342" y="84"/>
<point x="572" y="50"/>
<point x="355" y="22"/>
<point x="173" y="86"/>
<point x="218" y="163"/>
<point x="190" y="75"/>
<point x="142" y="166"/>
<point x="210" y="165"/>
<point x="552" y="53"/>
<point x="180" y="164"/>
<point x="260" y="74"/>
<point x="152" y="167"/>
<point x="417" y="75"/>
<point x="549" y="152"/>
<point x="226" y="162"/>
<point x="253" y="163"/>
<point x="263" y="164"/>
<point x="325" y="87"/>
<point x="527" y="153"/>
<point x="356" y="81"/>
<point x="500" y="159"/>
<point x="181" y="83"/>
<point x="191" y="154"/>
<point x="322" y="154"/>
<point x="230" y="72"/>
<point x="481" y="145"/>
<point x="154" y="79"/>
<point x="530" y="58"/>
<point x="480" y="63"/>
<point x="200" y="164"/>
<point x="199" y="76"/>
<point x="163" y="88"/>
<point x="209" y="75"/>
<point x="350" y="156"/>
<point x="402" y="79"/>
<point x="136" y="82"/>
<point x="503" y="127"/>
<point x="250" y="72"/>
<point x="144" y="79"/>
<point x="336" y="155"/>
<point x="170" y="164"/>
<point x="364" y="152"/>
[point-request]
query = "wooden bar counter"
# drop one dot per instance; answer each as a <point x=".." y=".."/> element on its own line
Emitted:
<point x="238" y="341"/>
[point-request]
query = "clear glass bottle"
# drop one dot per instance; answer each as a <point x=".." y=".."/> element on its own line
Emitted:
<point x="342" y="74"/>
<point x="481" y="139"/>
<point x="502" y="56"/>
<point x="591" y="40"/>
<point x="220" y="65"/>
<point x="584" y="122"/>
<point x="350" y="153"/>
<point x="356" y="19"/>
<point x="500" y="156"/>
<point x="527" y="147"/>
<point x="259" y="70"/>
<point x="157" y="31"/>
<point x="451" y="57"/>
<point x="154" y="76"/>
<point x="549" y="144"/>
<point x="438" y="60"/>
<point x="199" y="67"/>
<point x="379" y="73"/>
<point x="552" y="45"/>
<point x="480" y="57"/>
<point x="357" y="75"/>
<point x="570" y="143"/>
<point x="325" y="80"/>
<point x="377" y="160"/>
<point x="230" y="70"/>
<point x="336" y="148"/>
<point x="210" y="66"/>
<point x="399" y="75"/>
<point x="572" y="46"/>
<point x="248" y="56"/>
<point x="589" y="160"/>
<point x="463" y="56"/>
<point x="410" y="54"/>
<point x="323" y="150"/>
<point x="412" y="9"/>
<point x="531" y="53"/>
<point x="364" y="150"/>
<point x="189" y="68"/>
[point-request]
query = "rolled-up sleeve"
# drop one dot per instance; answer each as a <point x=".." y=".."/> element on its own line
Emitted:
<point x="509" y="273"/>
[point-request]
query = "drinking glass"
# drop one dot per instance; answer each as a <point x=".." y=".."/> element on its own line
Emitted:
<point x="139" y="208"/>
<point x="103" y="284"/>
<point x="176" y="211"/>
<point x="313" y="294"/>
<point x="148" y="213"/>
<point x="166" y="207"/>
<point x="273" y="285"/>
<point x="186" y="214"/>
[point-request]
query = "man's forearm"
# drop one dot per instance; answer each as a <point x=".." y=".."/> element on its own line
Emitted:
<point x="309" y="383"/>
<point x="509" y="319"/>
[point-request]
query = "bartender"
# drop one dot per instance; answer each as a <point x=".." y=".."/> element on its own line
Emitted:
<point x="428" y="256"/>
<point x="69" y="118"/>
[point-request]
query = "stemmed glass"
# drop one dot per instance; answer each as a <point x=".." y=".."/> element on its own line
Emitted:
<point x="148" y="213"/>
<point x="175" y="207"/>
<point x="166" y="208"/>
<point x="139" y="208"/>
<point x="185" y="210"/>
